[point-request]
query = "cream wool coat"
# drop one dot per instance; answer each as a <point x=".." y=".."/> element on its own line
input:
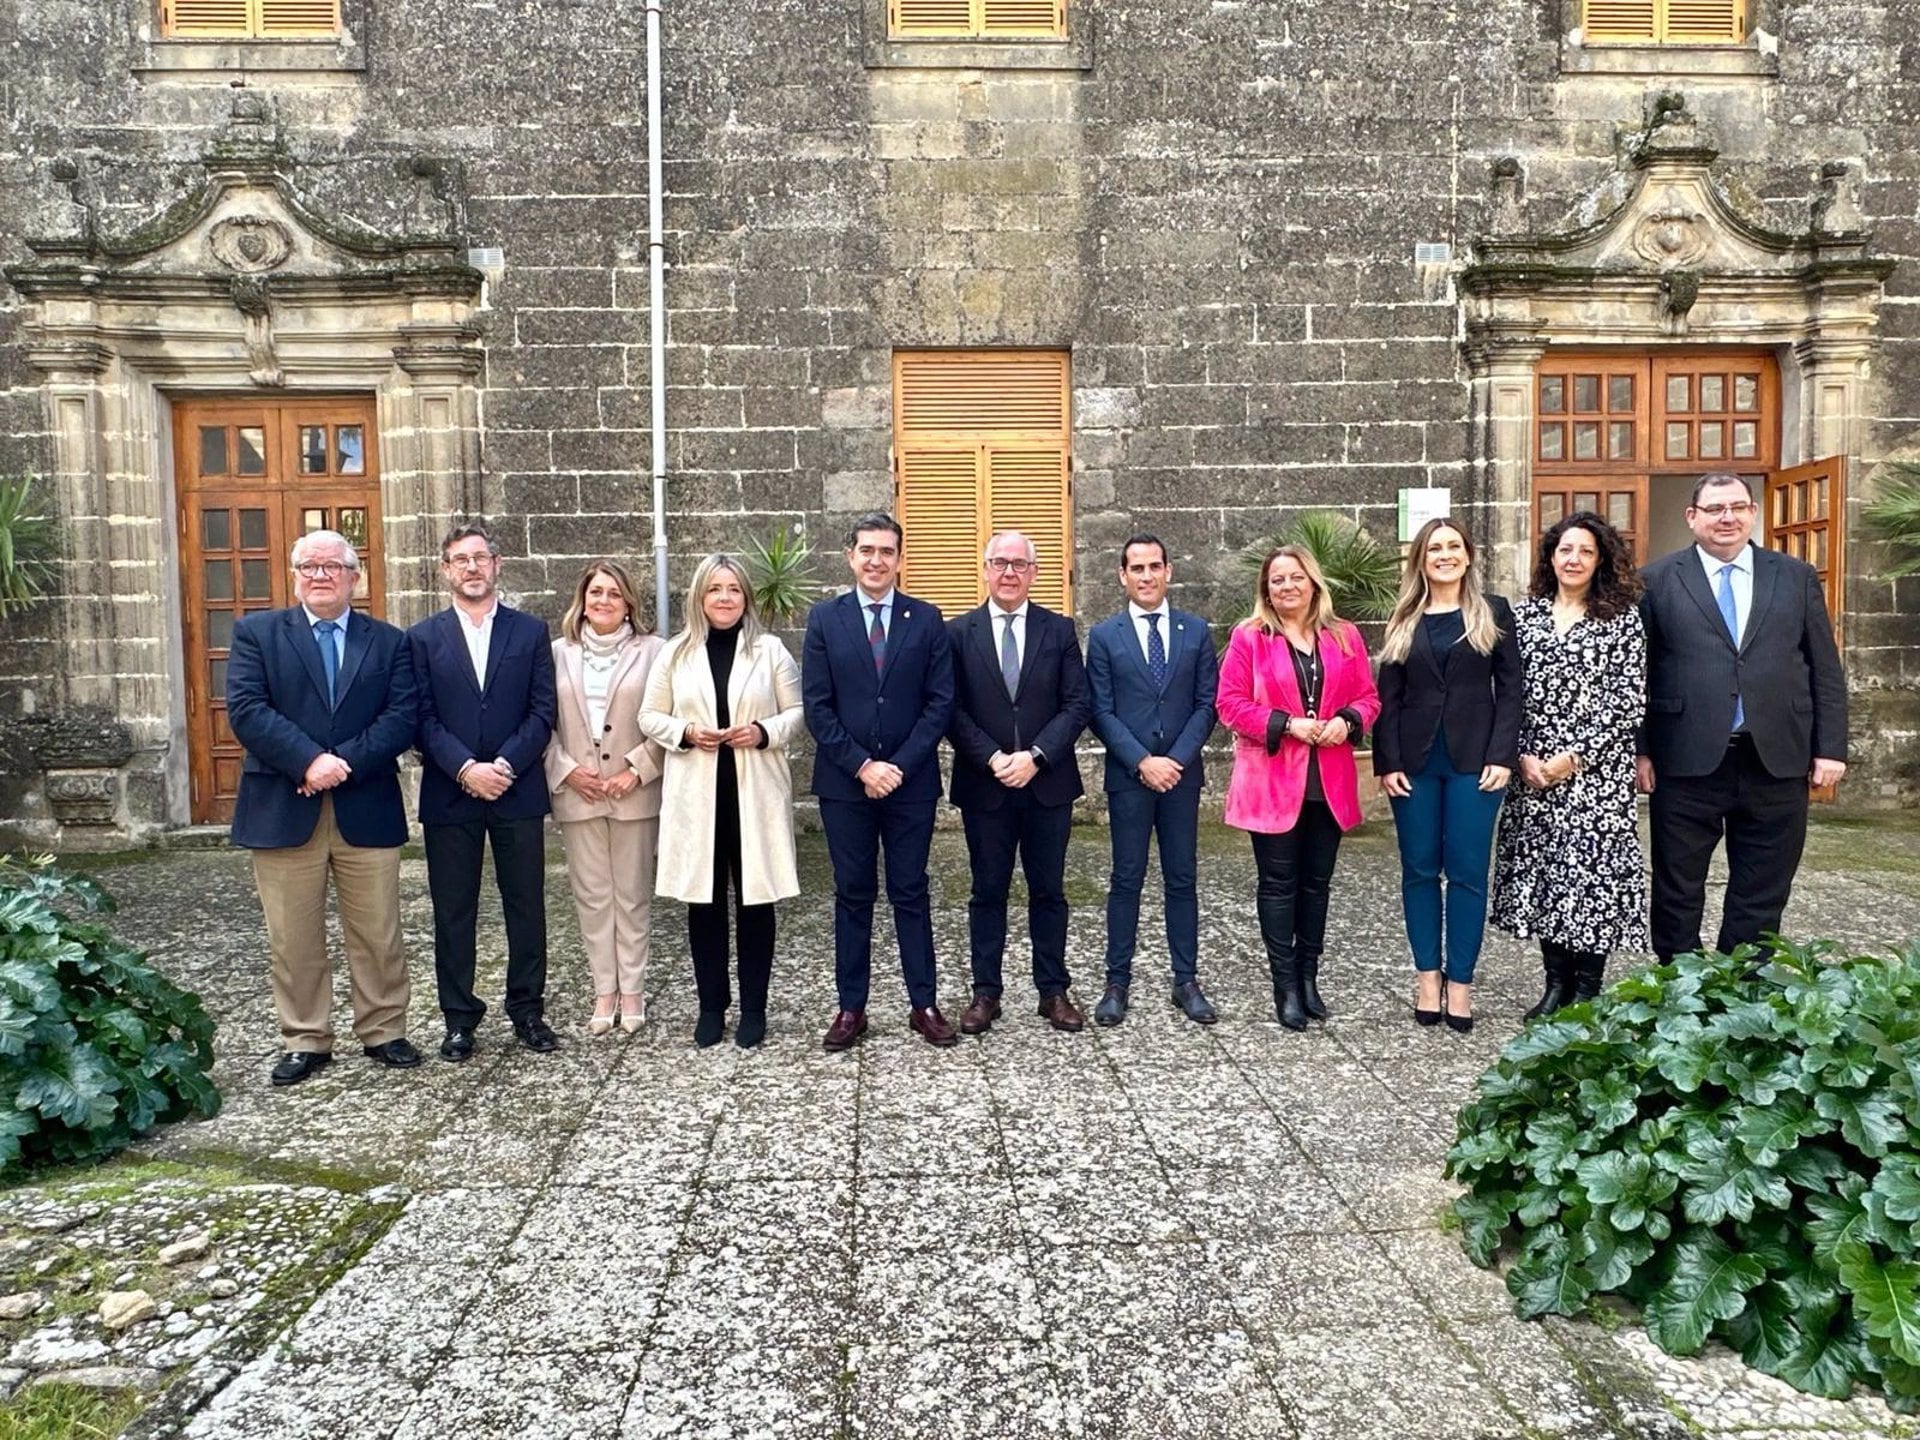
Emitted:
<point x="765" y="687"/>
<point x="620" y="746"/>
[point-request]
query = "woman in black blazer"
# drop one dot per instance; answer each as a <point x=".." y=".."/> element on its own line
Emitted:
<point x="1444" y="748"/>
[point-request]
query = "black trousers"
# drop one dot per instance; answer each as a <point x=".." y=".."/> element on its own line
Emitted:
<point x="1764" y="820"/>
<point x="454" y="854"/>
<point x="1037" y="835"/>
<point x="1295" y="884"/>
<point x="707" y="925"/>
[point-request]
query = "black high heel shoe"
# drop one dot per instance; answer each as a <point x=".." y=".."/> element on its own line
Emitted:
<point x="1430" y="1017"/>
<point x="1459" y="1024"/>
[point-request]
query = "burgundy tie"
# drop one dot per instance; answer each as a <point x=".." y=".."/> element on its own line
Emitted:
<point x="877" y="638"/>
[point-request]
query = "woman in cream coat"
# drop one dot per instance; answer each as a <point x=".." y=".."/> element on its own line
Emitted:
<point x="724" y="704"/>
<point x="605" y="779"/>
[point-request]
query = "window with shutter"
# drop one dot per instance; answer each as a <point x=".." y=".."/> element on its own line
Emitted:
<point x="1677" y="22"/>
<point x="982" y="443"/>
<point x="972" y="19"/>
<point x="250" y="19"/>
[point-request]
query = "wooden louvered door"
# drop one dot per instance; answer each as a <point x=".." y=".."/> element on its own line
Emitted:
<point x="963" y="19"/>
<point x="250" y="19"/>
<point x="982" y="443"/>
<point x="1801" y="512"/>
<point x="1671" y="22"/>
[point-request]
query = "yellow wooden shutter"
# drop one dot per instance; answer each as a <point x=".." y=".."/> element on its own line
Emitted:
<point x="204" y="17"/>
<point x="1704" y="21"/>
<point x="299" y="17"/>
<point x="996" y="420"/>
<point x="1621" y="20"/>
<point x="1023" y="17"/>
<point x="1681" y="22"/>
<point x="930" y="17"/>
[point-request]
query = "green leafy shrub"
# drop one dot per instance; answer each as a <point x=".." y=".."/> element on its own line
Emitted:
<point x="28" y="544"/>
<point x="781" y="568"/>
<point x="1893" y="515"/>
<point x="96" y="1046"/>
<point x="1731" y="1143"/>
<point x="1363" y="575"/>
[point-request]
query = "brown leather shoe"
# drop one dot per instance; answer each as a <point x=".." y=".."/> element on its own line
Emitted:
<point x="1061" y="1013"/>
<point x="933" y="1027"/>
<point x="978" y="1017"/>
<point x="847" y="1027"/>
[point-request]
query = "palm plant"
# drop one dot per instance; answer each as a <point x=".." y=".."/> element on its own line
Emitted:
<point x="28" y="545"/>
<point x="781" y="568"/>
<point x="1894" y="516"/>
<point x="1363" y="575"/>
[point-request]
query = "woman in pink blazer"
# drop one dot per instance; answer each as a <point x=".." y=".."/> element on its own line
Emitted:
<point x="1297" y="691"/>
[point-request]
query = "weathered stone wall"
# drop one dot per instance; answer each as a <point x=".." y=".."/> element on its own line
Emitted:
<point x="1218" y="215"/>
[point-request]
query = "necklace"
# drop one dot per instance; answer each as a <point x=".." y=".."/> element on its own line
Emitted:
<point x="1307" y="667"/>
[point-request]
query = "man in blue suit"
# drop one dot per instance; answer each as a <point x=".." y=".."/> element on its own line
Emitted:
<point x="876" y="676"/>
<point x="323" y="700"/>
<point x="486" y="710"/>
<point x="1154" y="675"/>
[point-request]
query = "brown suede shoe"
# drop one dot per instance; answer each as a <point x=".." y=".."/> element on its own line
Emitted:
<point x="847" y="1027"/>
<point x="1060" y="1012"/>
<point x="933" y="1027"/>
<point x="978" y="1017"/>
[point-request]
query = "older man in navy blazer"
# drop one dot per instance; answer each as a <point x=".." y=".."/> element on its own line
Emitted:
<point x="876" y="676"/>
<point x="323" y="700"/>
<point x="486" y="711"/>
<point x="1020" y="702"/>
<point x="1154" y="675"/>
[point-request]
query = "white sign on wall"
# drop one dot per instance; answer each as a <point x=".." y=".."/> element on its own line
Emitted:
<point x="1419" y="504"/>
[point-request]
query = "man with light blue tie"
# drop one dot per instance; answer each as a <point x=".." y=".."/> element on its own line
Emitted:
<point x="1153" y="674"/>
<point x="1746" y="706"/>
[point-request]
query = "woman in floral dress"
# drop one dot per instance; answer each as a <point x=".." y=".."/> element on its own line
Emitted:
<point x="1568" y="869"/>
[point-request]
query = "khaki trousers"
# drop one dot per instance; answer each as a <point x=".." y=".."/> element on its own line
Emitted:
<point x="610" y="864"/>
<point x="293" y="894"/>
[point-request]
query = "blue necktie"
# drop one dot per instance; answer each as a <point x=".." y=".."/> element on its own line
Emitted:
<point x="1731" y="616"/>
<point x="1156" y="654"/>
<point x="324" y="631"/>
<point x="1009" y="659"/>
<point x="877" y="639"/>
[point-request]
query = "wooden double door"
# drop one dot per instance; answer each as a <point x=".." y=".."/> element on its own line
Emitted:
<point x="252" y="477"/>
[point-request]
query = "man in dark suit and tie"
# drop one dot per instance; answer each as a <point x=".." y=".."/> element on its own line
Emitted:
<point x="1746" y="704"/>
<point x="486" y="710"/>
<point x="323" y="700"/>
<point x="876" y="676"/>
<point x="1154" y="674"/>
<point x="1020" y="702"/>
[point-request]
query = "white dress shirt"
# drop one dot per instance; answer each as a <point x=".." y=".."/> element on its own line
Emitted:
<point x="339" y="636"/>
<point x="1742" y="584"/>
<point x="1140" y="626"/>
<point x="479" y="637"/>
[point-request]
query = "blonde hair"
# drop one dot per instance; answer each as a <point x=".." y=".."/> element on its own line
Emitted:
<point x="1482" y="632"/>
<point x="576" y="615"/>
<point x="1320" y="613"/>
<point x="693" y="637"/>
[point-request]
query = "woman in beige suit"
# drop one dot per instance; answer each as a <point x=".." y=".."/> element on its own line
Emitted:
<point x="724" y="703"/>
<point x="605" y="779"/>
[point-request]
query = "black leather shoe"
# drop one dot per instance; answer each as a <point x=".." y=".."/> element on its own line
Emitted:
<point x="1112" y="1008"/>
<point x="1192" y="1001"/>
<point x="458" y="1045"/>
<point x="711" y="1025"/>
<point x="536" y="1035"/>
<point x="397" y="1054"/>
<point x="297" y="1065"/>
<point x="751" y="1030"/>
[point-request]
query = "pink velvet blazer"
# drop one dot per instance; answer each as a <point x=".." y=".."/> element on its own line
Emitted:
<point x="1256" y="678"/>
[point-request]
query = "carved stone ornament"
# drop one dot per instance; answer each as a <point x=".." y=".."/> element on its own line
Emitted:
<point x="1672" y="235"/>
<point x="250" y="244"/>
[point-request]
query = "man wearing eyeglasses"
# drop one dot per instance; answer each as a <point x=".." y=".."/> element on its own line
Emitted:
<point x="1020" y="703"/>
<point x="1746" y="705"/>
<point x="487" y="708"/>
<point x="322" y="698"/>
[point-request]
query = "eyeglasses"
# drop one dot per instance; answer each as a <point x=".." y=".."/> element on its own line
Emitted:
<point x="1736" y="509"/>
<point x="1000" y="564"/>
<point x="470" y="562"/>
<point x="323" y="569"/>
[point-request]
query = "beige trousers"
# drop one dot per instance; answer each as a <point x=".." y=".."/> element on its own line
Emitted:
<point x="610" y="864"/>
<point x="293" y="894"/>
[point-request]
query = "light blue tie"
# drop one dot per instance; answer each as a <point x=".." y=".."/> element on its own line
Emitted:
<point x="1731" y="616"/>
<point x="1009" y="658"/>
<point x="324" y="631"/>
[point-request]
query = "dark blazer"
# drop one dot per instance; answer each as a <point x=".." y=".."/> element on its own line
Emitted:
<point x="277" y="708"/>
<point x="1476" y="697"/>
<point x="1134" y="720"/>
<point x="510" y="717"/>
<point x="1787" y="669"/>
<point x="1046" y="714"/>
<point x="855" y="715"/>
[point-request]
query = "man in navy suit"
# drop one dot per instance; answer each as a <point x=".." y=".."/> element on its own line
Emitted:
<point x="1020" y="702"/>
<point x="323" y="700"/>
<point x="486" y="710"/>
<point x="876" y="675"/>
<point x="1154" y="675"/>
<point x="1746" y="705"/>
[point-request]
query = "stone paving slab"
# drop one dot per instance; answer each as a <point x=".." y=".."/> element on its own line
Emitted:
<point x="1162" y="1229"/>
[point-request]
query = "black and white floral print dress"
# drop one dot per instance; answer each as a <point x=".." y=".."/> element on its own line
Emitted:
<point x="1567" y="865"/>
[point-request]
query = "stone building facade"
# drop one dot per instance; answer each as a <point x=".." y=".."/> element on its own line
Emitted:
<point x="1295" y="255"/>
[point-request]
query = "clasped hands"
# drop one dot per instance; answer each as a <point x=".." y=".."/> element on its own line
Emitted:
<point x="1013" y="771"/>
<point x="880" y="778"/>
<point x="324" y="773"/>
<point x="737" y="737"/>
<point x="1538" y="774"/>
<point x="589" y="785"/>
<point x="486" y="779"/>
<point x="1308" y="731"/>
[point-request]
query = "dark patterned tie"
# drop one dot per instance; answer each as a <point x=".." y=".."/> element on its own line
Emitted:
<point x="1009" y="658"/>
<point x="877" y="639"/>
<point x="324" y="631"/>
<point x="1156" y="654"/>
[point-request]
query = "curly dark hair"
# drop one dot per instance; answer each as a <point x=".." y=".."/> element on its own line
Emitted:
<point x="1616" y="583"/>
